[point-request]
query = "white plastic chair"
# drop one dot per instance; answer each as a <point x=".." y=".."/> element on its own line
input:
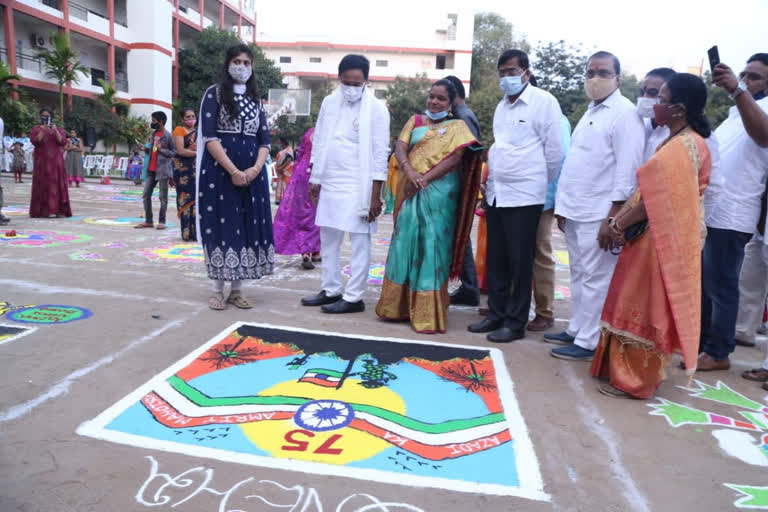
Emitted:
<point x="106" y="164"/>
<point x="122" y="164"/>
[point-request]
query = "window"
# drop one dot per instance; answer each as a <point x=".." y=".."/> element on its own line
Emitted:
<point x="382" y="63"/>
<point x="315" y="60"/>
<point x="440" y="62"/>
<point x="380" y="93"/>
<point x="285" y="60"/>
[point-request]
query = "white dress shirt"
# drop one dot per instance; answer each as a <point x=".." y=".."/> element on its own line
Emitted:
<point x="744" y="166"/>
<point x="606" y="150"/>
<point x="527" y="151"/>
<point x="654" y="138"/>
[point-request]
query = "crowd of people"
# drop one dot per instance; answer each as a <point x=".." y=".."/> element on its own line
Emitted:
<point x="663" y="217"/>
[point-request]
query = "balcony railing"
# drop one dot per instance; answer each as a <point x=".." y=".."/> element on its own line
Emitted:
<point x="81" y="12"/>
<point x="121" y="84"/>
<point x="4" y="56"/>
<point x="29" y="62"/>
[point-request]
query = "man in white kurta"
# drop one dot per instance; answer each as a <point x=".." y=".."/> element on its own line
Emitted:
<point x="597" y="177"/>
<point x="349" y="163"/>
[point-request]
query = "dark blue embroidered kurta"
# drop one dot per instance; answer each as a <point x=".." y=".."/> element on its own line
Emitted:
<point x="235" y="222"/>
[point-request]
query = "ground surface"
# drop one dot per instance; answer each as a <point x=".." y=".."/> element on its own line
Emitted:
<point x="147" y="299"/>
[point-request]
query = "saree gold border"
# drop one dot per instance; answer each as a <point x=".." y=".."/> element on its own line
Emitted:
<point x="426" y="310"/>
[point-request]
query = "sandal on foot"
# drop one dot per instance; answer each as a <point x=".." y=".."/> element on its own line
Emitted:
<point x="611" y="391"/>
<point x="757" y="375"/>
<point x="237" y="299"/>
<point x="144" y="225"/>
<point x="216" y="302"/>
<point x="306" y="263"/>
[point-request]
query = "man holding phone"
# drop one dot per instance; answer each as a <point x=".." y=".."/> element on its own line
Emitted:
<point x="743" y="138"/>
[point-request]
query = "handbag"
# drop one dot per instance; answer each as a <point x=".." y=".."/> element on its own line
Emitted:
<point x="635" y="230"/>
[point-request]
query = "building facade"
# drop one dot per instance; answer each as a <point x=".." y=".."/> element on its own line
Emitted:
<point x="447" y="50"/>
<point x="133" y="42"/>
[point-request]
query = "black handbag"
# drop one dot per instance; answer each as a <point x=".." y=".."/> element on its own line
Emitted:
<point x="635" y="230"/>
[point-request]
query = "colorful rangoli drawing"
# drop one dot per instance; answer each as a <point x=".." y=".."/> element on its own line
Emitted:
<point x="86" y="256"/>
<point x="48" y="314"/>
<point x="745" y="440"/>
<point x="398" y="411"/>
<point x="119" y="221"/>
<point x="12" y="332"/>
<point x="190" y="253"/>
<point x="15" y="211"/>
<point x="34" y="238"/>
<point x="383" y="241"/>
<point x="375" y="273"/>
<point x="562" y="292"/>
<point x="561" y="259"/>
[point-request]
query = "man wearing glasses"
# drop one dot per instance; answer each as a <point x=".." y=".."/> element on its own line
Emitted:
<point x="525" y="157"/>
<point x="743" y="140"/>
<point x="597" y="177"/>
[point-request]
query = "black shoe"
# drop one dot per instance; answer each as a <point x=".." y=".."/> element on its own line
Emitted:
<point x="485" y="325"/>
<point x="320" y="299"/>
<point x="505" y="335"/>
<point x="342" y="306"/>
<point x="462" y="297"/>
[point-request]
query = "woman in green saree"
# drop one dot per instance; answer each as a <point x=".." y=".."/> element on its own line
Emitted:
<point x="434" y="206"/>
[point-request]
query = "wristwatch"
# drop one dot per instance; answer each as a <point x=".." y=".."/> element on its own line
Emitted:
<point x="742" y="87"/>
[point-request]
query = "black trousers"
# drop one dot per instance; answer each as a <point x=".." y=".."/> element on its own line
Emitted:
<point x="511" y="251"/>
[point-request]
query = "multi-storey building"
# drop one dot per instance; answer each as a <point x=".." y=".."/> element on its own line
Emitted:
<point x="446" y="50"/>
<point x="133" y="42"/>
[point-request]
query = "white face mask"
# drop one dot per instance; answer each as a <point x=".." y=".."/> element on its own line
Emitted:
<point x="240" y="73"/>
<point x="352" y="93"/>
<point x="645" y="106"/>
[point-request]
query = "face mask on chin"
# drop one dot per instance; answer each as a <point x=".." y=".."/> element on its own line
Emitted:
<point x="645" y="106"/>
<point x="599" y="88"/>
<point x="436" y="116"/>
<point x="352" y="93"/>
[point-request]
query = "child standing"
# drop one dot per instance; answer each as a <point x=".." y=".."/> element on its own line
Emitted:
<point x="19" y="163"/>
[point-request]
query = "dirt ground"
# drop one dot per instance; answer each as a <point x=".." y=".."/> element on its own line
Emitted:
<point x="595" y="453"/>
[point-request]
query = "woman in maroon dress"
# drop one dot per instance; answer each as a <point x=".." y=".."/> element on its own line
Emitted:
<point x="49" y="176"/>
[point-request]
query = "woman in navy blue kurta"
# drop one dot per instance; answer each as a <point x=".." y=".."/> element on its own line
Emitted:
<point x="235" y="221"/>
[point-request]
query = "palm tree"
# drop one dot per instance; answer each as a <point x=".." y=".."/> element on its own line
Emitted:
<point x="61" y="64"/>
<point x="109" y="97"/>
<point x="6" y="87"/>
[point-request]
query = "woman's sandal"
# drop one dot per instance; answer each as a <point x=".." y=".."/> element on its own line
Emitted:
<point x="216" y="302"/>
<point x="757" y="375"/>
<point x="237" y="299"/>
<point x="306" y="263"/>
<point x="611" y="391"/>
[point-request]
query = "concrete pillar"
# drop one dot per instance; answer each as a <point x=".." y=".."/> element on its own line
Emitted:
<point x="151" y="57"/>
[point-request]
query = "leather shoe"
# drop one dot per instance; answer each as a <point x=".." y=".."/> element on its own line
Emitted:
<point x="541" y="324"/>
<point x="462" y="297"/>
<point x="485" y="325"/>
<point x="707" y="363"/>
<point x="320" y="299"/>
<point x="505" y="335"/>
<point x="342" y="306"/>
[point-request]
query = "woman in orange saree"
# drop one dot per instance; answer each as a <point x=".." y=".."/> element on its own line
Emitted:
<point x="653" y="308"/>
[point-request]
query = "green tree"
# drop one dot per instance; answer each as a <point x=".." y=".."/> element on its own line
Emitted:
<point x="61" y="64"/>
<point x="201" y="63"/>
<point x="493" y="35"/>
<point x="405" y="97"/>
<point x="559" y="70"/>
<point x="718" y="102"/>
<point x="17" y="114"/>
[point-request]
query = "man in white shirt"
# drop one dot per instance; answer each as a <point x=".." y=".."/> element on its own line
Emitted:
<point x="523" y="160"/>
<point x="597" y="177"/>
<point x="656" y="135"/>
<point x="743" y="140"/>
<point x="349" y="166"/>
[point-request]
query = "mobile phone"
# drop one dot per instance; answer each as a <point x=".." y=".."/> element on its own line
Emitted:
<point x="714" y="58"/>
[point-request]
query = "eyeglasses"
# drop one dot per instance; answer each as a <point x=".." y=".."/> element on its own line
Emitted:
<point x="603" y="73"/>
<point x="650" y="92"/>
<point x="510" y="72"/>
<point x="751" y="76"/>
